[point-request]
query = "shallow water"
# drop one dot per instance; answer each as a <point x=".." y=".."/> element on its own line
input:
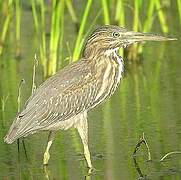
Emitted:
<point x="147" y="100"/>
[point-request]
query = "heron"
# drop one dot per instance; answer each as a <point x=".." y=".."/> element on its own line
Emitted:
<point x="63" y="100"/>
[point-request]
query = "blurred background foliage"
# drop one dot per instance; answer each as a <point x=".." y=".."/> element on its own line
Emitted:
<point x="49" y="22"/>
<point x="148" y="98"/>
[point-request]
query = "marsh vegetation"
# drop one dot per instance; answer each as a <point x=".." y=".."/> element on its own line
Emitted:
<point x="147" y="100"/>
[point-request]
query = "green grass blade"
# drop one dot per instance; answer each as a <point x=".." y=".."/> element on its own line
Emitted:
<point x="58" y="10"/>
<point x="105" y="12"/>
<point x="120" y="15"/>
<point x="6" y="25"/>
<point x="136" y="22"/>
<point x="35" y="16"/>
<point x="18" y="19"/>
<point x="18" y="26"/>
<point x="79" y="41"/>
<point x="179" y="9"/>
<point x="161" y="17"/>
<point x="149" y="17"/>
<point x="43" y="38"/>
<point x="71" y="11"/>
<point x="120" y="19"/>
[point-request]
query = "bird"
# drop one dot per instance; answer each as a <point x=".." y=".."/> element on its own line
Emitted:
<point x="63" y="100"/>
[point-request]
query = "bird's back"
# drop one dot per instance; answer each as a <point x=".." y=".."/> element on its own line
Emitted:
<point x="57" y="99"/>
<point x="74" y="89"/>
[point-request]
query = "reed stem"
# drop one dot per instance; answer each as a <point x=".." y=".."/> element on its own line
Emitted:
<point x="149" y="17"/>
<point x="105" y="12"/>
<point x="18" y="26"/>
<point x="3" y="104"/>
<point x="161" y="17"/>
<point x="119" y="15"/>
<point x="179" y="9"/>
<point x="80" y="40"/>
<point x="71" y="11"/>
<point x="35" y="16"/>
<point x="35" y="64"/>
<point x="57" y="12"/>
<point x="6" y="25"/>
<point x="42" y="33"/>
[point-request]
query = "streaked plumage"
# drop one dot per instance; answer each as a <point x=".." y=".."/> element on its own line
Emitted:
<point x="63" y="100"/>
<point x="73" y="90"/>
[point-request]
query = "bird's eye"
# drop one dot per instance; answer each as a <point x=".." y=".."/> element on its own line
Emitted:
<point x="115" y="34"/>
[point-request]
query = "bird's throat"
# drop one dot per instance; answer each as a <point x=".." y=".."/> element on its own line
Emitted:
<point x="111" y="52"/>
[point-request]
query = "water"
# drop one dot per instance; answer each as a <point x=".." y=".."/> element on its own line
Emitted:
<point x="147" y="100"/>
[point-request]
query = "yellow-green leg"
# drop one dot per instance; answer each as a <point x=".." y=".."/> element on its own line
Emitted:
<point x="82" y="128"/>
<point x="46" y="156"/>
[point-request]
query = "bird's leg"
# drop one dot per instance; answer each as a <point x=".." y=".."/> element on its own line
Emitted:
<point x="46" y="156"/>
<point x="82" y="128"/>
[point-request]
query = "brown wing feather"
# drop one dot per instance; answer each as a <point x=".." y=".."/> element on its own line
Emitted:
<point x="60" y="97"/>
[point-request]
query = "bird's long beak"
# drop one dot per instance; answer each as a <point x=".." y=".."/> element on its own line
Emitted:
<point x="132" y="37"/>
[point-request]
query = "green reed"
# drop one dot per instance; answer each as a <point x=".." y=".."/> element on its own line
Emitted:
<point x="136" y="24"/>
<point x="105" y="12"/>
<point x="155" y="11"/>
<point x="1" y="4"/>
<point x="150" y="17"/>
<point x="43" y="56"/>
<point x="161" y="16"/>
<point x="120" y="18"/>
<point x="18" y="26"/>
<point x="6" y="23"/>
<point x="39" y="25"/>
<point x="109" y="137"/>
<point x="61" y="47"/>
<point x="35" y="15"/>
<point x="147" y="24"/>
<point x="3" y="104"/>
<point x="120" y="13"/>
<point x="56" y="18"/>
<point x="136" y="13"/>
<point x="155" y="8"/>
<point x="52" y="48"/>
<point x="71" y="11"/>
<point x="179" y="9"/>
<point x="80" y="39"/>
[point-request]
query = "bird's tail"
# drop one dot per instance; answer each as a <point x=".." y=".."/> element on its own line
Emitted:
<point x="12" y="134"/>
<point x="19" y="128"/>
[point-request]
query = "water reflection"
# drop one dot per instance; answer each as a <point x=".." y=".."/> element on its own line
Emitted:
<point x="148" y="99"/>
<point x="88" y="175"/>
<point x="138" y="169"/>
<point x="46" y="172"/>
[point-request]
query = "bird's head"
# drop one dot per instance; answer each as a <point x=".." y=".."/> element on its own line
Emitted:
<point x="110" y="37"/>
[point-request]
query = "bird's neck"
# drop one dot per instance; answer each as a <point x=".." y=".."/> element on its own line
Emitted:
<point x="104" y="56"/>
<point x="91" y="52"/>
<point x="116" y="60"/>
<point x="109" y="58"/>
<point x="108" y="67"/>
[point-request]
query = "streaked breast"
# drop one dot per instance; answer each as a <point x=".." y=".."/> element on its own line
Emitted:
<point x="109" y="72"/>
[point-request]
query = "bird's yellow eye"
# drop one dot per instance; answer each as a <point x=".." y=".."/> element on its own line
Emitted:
<point x="115" y="34"/>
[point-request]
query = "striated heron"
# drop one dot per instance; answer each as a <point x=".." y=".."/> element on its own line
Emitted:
<point x="63" y="100"/>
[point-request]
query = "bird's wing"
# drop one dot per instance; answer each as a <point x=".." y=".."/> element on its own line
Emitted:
<point x="61" y="97"/>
